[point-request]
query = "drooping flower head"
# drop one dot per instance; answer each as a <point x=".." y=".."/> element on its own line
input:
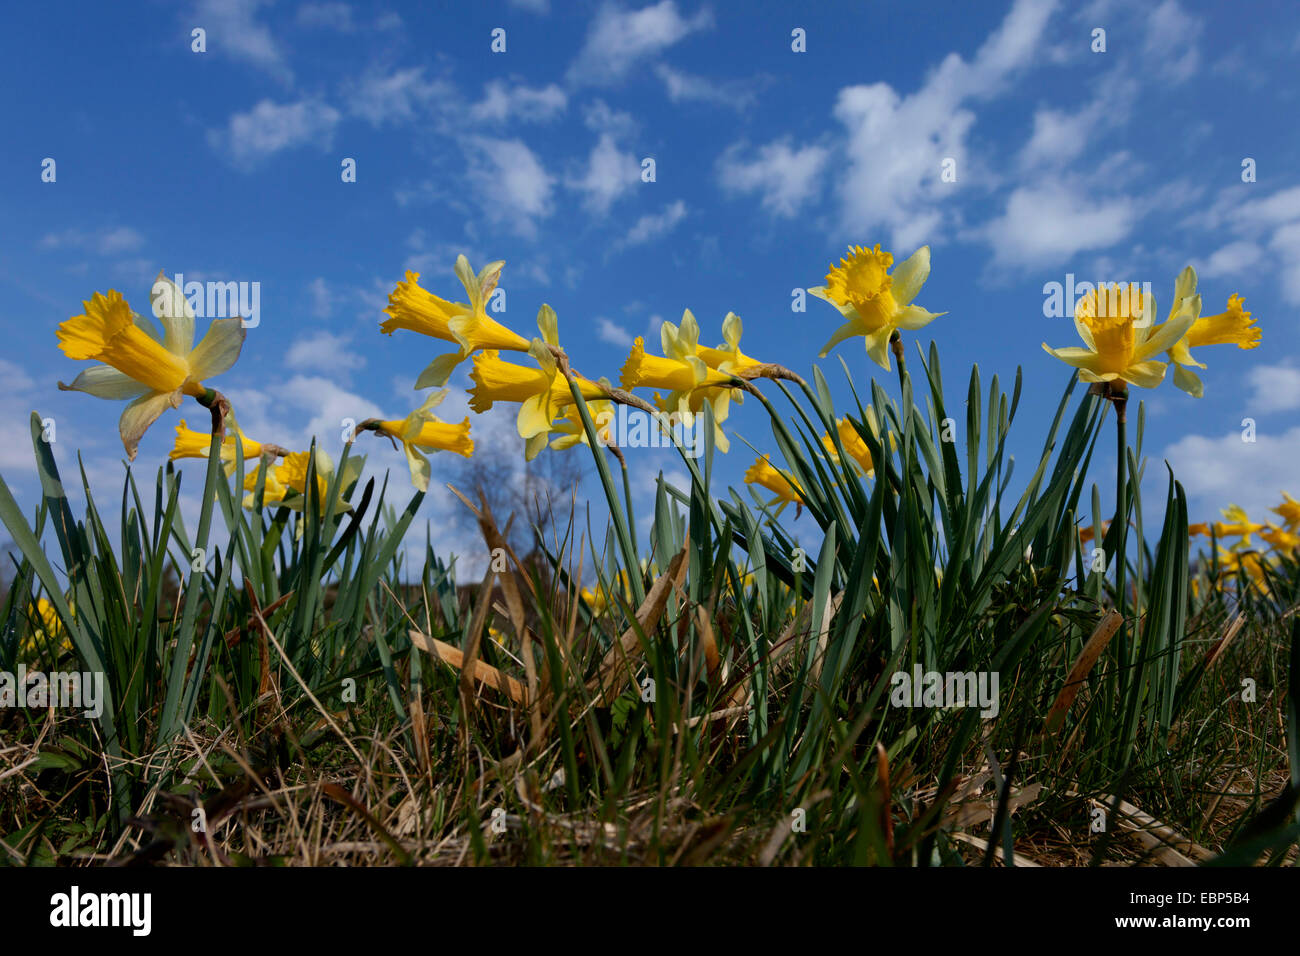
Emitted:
<point x="875" y="301"/>
<point x="421" y="432"/>
<point x="192" y="444"/>
<point x="763" y="474"/>
<point x="151" y="369"/>
<point x="466" y="325"/>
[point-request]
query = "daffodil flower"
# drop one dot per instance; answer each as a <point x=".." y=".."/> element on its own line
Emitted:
<point x="727" y="357"/>
<point x="464" y="324"/>
<point x="151" y="369"/>
<point x="421" y="431"/>
<point x="542" y="392"/>
<point x="47" y="630"/>
<point x="785" y="488"/>
<point x="1237" y="525"/>
<point x="687" y="377"/>
<point x="571" y="430"/>
<point x="1233" y="326"/>
<point x="874" y="301"/>
<point x="854" y="445"/>
<point x="192" y="444"/>
<point x="1280" y="538"/>
<point x="1121" y="338"/>
<point x="1288" y="511"/>
<point x="286" y="483"/>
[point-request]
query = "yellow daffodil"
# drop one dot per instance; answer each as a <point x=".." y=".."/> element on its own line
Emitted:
<point x="1233" y="326"/>
<point x="464" y="324"/>
<point x="854" y="445"/>
<point x="875" y="302"/>
<point x="687" y="377"/>
<point x="273" y="492"/>
<point x="1288" y="511"/>
<point x="1237" y="525"/>
<point x="286" y="484"/>
<point x="151" y="369"/>
<point x="421" y="431"/>
<point x="785" y="488"/>
<point x="1252" y="562"/>
<point x="570" y="428"/>
<point x="47" y="630"/>
<point x="1088" y="532"/>
<point x="727" y="357"/>
<point x="1281" y="539"/>
<point x="1117" y="326"/>
<point x="192" y="444"/>
<point x="542" y="392"/>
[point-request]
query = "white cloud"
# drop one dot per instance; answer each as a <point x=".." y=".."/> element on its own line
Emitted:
<point x="896" y="144"/>
<point x="1231" y="259"/>
<point x="1171" y="39"/>
<point x="607" y="330"/>
<point x="686" y="87"/>
<point x="611" y="173"/>
<point x="323" y="352"/>
<point x="328" y="16"/>
<point x="653" y="225"/>
<point x="620" y="38"/>
<point x="322" y="304"/>
<point x="400" y="96"/>
<point x="1217" y="471"/>
<point x="233" y="30"/>
<point x="1047" y="224"/>
<point x="1270" y="223"/>
<point x="106" y="242"/>
<point x="785" y="178"/>
<point x="502" y="102"/>
<point x="513" y="187"/>
<point x="1274" y="388"/>
<point x="270" y="127"/>
<point x="603" y="119"/>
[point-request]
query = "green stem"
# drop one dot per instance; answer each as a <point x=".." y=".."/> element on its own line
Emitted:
<point x="1121" y="513"/>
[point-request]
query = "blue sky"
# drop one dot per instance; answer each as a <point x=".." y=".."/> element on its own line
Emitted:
<point x="1123" y="165"/>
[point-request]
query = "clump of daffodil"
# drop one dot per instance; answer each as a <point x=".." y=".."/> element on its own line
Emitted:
<point x="152" y="370"/>
<point x="874" y="301"/>
<point x="1233" y="326"/>
<point x="685" y="374"/>
<point x="786" y="489"/>
<point x="466" y="325"/>
<point x="193" y="444"/>
<point x="421" y="432"/>
<point x="542" y="392"/>
<point x="1121" y="339"/>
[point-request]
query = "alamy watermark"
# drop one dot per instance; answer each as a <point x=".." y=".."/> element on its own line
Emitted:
<point x="922" y="688"/>
<point x="633" y="428"/>
<point x="212" y="300"/>
<point x="1112" y="298"/>
<point x="84" y="691"/>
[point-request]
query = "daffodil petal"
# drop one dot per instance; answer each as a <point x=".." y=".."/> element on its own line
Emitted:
<point x="845" y="331"/>
<point x="533" y="446"/>
<point x="534" y="416"/>
<point x="439" y="370"/>
<point x="910" y="276"/>
<point x="1079" y="358"/>
<point x="1163" y="337"/>
<point x="1188" y="381"/>
<point x="1145" y="374"/>
<point x="172" y="310"/>
<point x="104" y="381"/>
<point x="914" y="317"/>
<point x="549" y="325"/>
<point x="878" y="347"/>
<point x="140" y="414"/>
<point x="219" y="348"/>
<point x="420" y="469"/>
